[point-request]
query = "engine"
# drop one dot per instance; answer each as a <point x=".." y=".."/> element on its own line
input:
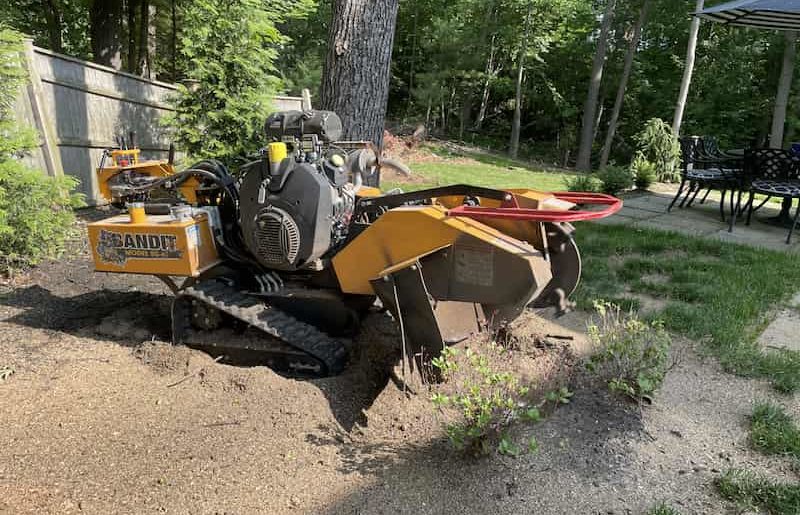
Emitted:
<point x="296" y="204"/>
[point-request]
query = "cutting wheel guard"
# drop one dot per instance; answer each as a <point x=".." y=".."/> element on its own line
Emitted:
<point x="510" y="209"/>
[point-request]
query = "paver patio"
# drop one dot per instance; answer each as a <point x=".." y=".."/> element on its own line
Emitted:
<point x="650" y="210"/>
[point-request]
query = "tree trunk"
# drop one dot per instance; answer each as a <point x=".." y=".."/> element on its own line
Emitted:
<point x="105" y="17"/>
<point x="633" y="45"/>
<point x="490" y="72"/>
<point x="174" y="41"/>
<point x="513" y="147"/>
<point x="590" y="107"/>
<point x="146" y="38"/>
<point x="677" y="120"/>
<point x="131" y="26"/>
<point x="784" y="88"/>
<point x="55" y="24"/>
<point x="355" y="81"/>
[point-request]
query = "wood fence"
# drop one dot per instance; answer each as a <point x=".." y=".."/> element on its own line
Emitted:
<point x="79" y="108"/>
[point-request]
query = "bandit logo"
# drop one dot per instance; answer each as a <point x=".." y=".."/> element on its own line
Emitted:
<point x="118" y="248"/>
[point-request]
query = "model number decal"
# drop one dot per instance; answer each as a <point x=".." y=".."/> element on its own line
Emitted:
<point x="118" y="248"/>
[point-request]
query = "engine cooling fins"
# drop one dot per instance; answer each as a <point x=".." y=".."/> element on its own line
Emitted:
<point x="291" y="345"/>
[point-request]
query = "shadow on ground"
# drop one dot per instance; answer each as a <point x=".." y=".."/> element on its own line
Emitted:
<point x="129" y="318"/>
<point x="433" y="478"/>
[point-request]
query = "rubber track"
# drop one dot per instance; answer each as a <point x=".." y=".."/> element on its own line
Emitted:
<point x="328" y="352"/>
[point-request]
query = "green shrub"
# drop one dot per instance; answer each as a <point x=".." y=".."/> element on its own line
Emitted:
<point x="643" y="171"/>
<point x="630" y="356"/>
<point x="587" y="183"/>
<point x="482" y="402"/>
<point x="36" y="214"/>
<point x="232" y="75"/>
<point x="659" y="145"/>
<point x="615" y="179"/>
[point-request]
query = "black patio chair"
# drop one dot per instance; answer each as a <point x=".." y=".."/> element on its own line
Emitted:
<point x="711" y="156"/>
<point x="773" y="172"/>
<point x="702" y="171"/>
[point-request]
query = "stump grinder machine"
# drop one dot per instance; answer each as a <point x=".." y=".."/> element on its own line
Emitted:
<point x="300" y="244"/>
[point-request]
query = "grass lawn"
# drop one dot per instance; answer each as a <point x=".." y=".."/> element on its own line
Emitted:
<point x="490" y="176"/>
<point x="481" y="169"/>
<point x="772" y="432"/>
<point x="751" y="492"/>
<point x="709" y="291"/>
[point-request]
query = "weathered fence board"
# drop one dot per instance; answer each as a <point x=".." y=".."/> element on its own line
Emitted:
<point x="79" y="108"/>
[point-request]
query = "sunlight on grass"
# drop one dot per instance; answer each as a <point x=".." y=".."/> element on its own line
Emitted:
<point x="479" y="169"/>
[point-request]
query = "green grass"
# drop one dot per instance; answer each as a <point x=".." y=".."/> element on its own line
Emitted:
<point x="751" y="491"/>
<point x="772" y="431"/>
<point x="713" y="291"/>
<point x="663" y="508"/>
<point x="487" y="170"/>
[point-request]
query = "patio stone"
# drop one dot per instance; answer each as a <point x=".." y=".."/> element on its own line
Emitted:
<point x="636" y="213"/>
<point x="761" y="236"/>
<point x="695" y="224"/>
<point x="650" y="210"/>
<point x="652" y="203"/>
<point x="783" y="332"/>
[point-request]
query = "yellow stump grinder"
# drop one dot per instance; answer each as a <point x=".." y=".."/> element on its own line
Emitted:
<point x="300" y="242"/>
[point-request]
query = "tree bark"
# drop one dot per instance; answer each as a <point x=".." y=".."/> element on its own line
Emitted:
<point x="590" y="107"/>
<point x="355" y="80"/>
<point x="146" y="38"/>
<point x="132" y="60"/>
<point x="105" y="17"/>
<point x="633" y="45"/>
<point x="784" y="88"/>
<point x="55" y="24"/>
<point x="491" y="72"/>
<point x="513" y="147"/>
<point x="174" y="41"/>
<point x="677" y="120"/>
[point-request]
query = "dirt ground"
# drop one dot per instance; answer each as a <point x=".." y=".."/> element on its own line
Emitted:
<point x="102" y="416"/>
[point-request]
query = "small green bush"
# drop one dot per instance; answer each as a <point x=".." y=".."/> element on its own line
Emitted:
<point x="643" y="171"/>
<point x="36" y="214"/>
<point x="483" y="402"/>
<point x="659" y="145"/>
<point x="630" y="356"/>
<point x="587" y="183"/>
<point x="615" y="179"/>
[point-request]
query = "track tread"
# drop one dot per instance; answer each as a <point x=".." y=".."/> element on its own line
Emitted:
<point x="330" y="353"/>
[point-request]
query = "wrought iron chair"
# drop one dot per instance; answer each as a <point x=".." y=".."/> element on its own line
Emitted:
<point x="772" y="172"/>
<point x="702" y="171"/>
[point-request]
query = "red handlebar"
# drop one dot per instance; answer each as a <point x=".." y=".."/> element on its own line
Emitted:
<point x="513" y="212"/>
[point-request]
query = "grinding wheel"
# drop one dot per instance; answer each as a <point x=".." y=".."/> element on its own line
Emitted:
<point x="565" y="264"/>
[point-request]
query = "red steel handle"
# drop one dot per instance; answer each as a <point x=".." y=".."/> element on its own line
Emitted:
<point x="546" y="215"/>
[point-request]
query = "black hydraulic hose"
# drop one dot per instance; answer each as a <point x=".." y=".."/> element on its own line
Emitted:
<point x="219" y="175"/>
